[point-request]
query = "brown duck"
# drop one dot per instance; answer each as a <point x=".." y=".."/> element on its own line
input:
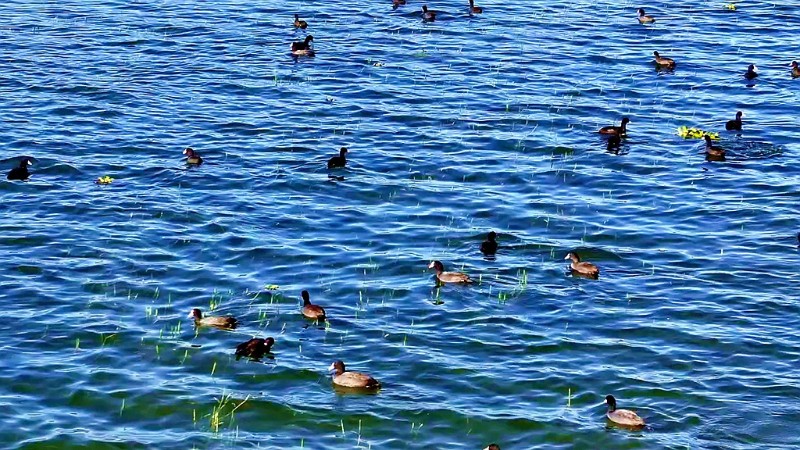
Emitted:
<point x="621" y="130"/>
<point x="300" y="23"/>
<point x="584" y="268"/>
<point x="311" y="311"/>
<point x="227" y="322"/>
<point x="192" y="157"/>
<point x="624" y="417"/>
<point x="663" y="63"/>
<point x="255" y="348"/>
<point x="352" y="379"/>
<point x="714" y="152"/>
<point x="448" y="277"/>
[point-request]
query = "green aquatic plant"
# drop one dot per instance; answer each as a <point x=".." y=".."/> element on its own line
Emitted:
<point x="225" y="409"/>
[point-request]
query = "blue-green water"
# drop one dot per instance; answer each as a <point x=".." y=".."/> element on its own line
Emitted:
<point x="455" y="128"/>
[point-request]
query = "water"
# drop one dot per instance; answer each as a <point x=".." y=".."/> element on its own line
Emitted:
<point x="454" y="128"/>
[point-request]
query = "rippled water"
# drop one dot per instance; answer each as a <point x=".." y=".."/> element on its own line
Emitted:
<point x="455" y="128"/>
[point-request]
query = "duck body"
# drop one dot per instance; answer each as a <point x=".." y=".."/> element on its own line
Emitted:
<point x="474" y="9"/>
<point x="427" y="15"/>
<point x="663" y="63"/>
<point x="20" y="172"/>
<point x="311" y="311"/>
<point x="353" y="380"/>
<point x="448" y="277"/>
<point x="338" y="161"/>
<point x="614" y="130"/>
<point x="584" y="268"/>
<point x="492" y="447"/>
<point x="713" y="151"/>
<point x="302" y="24"/>
<point x="644" y="18"/>
<point x="226" y="322"/>
<point x="795" y="69"/>
<point x="255" y="348"/>
<point x="735" y="124"/>
<point x="489" y="246"/>
<point x="624" y="417"/>
<point x="304" y="47"/>
<point x="751" y="73"/>
<point x="192" y="157"/>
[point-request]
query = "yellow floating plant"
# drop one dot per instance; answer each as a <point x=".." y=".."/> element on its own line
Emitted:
<point x="696" y="133"/>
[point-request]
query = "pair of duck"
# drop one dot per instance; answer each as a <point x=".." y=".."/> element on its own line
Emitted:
<point x="576" y="266"/>
<point x="309" y="311"/>
<point x="429" y="15"/>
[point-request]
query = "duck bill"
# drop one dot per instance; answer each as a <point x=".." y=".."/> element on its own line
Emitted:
<point x="431" y="265"/>
<point x="332" y="368"/>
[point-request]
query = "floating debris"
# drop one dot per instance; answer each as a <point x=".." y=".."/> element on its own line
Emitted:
<point x="696" y="133"/>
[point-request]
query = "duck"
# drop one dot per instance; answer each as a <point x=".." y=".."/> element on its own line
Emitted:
<point x="300" y="23"/>
<point x="448" y="277"/>
<point x="736" y="124"/>
<point x="614" y="130"/>
<point x="192" y="157"/>
<point x="474" y="9"/>
<point x="396" y="3"/>
<point x="489" y="246"/>
<point x="492" y="447"/>
<point x="304" y="47"/>
<point x="582" y="267"/>
<point x="614" y="143"/>
<point x="212" y="321"/>
<point x="662" y="62"/>
<point x="752" y="72"/>
<point x="428" y="16"/>
<point x="21" y="172"/>
<point x="622" y="416"/>
<point x="338" y="161"/>
<point x="352" y="379"/>
<point x="713" y="151"/>
<point x="643" y="18"/>
<point x="795" y="69"/>
<point x="255" y="348"/>
<point x="311" y="311"/>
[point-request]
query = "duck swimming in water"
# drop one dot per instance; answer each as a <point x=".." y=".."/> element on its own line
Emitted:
<point x="21" y="172"/>
<point x="448" y="277"/>
<point x="624" y="417"/>
<point x="302" y="24"/>
<point x="736" y="124"/>
<point x="428" y="16"/>
<point x="714" y="152"/>
<point x="614" y="130"/>
<point x="355" y="380"/>
<point x="474" y="9"/>
<point x="303" y="48"/>
<point x="795" y="69"/>
<point x="663" y="63"/>
<point x="584" y="268"/>
<point x="643" y="18"/>
<point x="338" y="161"/>
<point x="752" y="72"/>
<point x="192" y="157"/>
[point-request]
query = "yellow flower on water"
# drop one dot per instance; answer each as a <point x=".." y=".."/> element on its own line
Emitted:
<point x="730" y="6"/>
<point x="696" y="133"/>
<point x="272" y="287"/>
<point x="104" y="180"/>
